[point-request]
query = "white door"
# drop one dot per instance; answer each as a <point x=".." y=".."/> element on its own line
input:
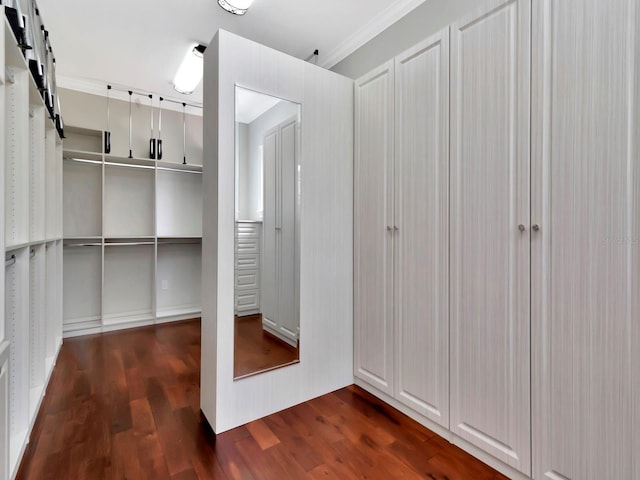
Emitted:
<point x="373" y="229"/>
<point x="269" y="271"/>
<point x="586" y="255"/>
<point x="288" y="318"/>
<point x="422" y="221"/>
<point x="490" y="254"/>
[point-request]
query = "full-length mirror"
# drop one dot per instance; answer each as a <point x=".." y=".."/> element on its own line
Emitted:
<point x="267" y="210"/>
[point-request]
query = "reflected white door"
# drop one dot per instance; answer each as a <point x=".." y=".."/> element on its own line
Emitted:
<point x="269" y="272"/>
<point x="490" y="255"/>
<point x="279" y="306"/>
<point x="288" y="321"/>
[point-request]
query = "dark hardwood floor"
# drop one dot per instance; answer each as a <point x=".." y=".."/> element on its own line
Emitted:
<point x="256" y="350"/>
<point x="126" y="406"/>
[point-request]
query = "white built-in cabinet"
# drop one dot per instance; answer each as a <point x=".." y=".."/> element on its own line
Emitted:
<point x="373" y="204"/>
<point x="538" y="241"/>
<point x="586" y="255"/>
<point x="31" y="226"/>
<point x="401" y="228"/>
<point x="132" y="238"/>
<point x="278" y="285"/>
<point x="247" y="266"/>
<point x="490" y="231"/>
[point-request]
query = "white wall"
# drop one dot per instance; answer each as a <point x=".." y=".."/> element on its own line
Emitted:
<point x="243" y="173"/>
<point x="326" y="249"/>
<point x="425" y="20"/>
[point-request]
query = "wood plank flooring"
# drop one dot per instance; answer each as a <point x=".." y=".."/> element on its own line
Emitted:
<point x="126" y="406"/>
<point x="257" y="351"/>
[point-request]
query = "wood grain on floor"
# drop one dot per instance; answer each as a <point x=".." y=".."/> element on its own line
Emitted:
<point x="256" y="350"/>
<point x="126" y="406"/>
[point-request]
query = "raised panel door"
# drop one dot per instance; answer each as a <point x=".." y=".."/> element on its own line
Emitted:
<point x="586" y="329"/>
<point x="288" y="321"/>
<point x="269" y="270"/>
<point x="490" y="252"/>
<point x="373" y="228"/>
<point x="422" y="221"/>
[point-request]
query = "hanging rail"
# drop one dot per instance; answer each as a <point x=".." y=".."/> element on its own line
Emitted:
<point x="146" y="94"/>
<point x="10" y="261"/>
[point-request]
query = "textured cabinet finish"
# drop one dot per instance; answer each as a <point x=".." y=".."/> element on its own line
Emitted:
<point x="373" y="228"/>
<point x="401" y="228"/>
<point x="490" y="255"/>
<point x="247" y="268"/>
<point x="279" y="312"/>
<point x="4" y="409"/>
<point x="586" y="315"/>
<point x="421" y="241"/>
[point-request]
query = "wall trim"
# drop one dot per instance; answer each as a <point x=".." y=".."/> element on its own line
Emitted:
<point x="377" y="25"/>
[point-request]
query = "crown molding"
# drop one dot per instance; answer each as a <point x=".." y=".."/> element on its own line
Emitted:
<point x="377" y="25"/>
<point x="118" y="92"/>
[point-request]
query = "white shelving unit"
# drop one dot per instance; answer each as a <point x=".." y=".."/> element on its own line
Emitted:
<point x="132" y="236"/>
<point x="31" y="218"/>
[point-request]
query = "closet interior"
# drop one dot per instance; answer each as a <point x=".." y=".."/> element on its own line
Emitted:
<point x="132" y="233"/>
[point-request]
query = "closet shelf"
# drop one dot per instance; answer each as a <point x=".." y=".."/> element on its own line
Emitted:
<point x="84" y="237"/>
<point x="133" y="239"/>
<point x="117" y="161"/>
<point x="82" y="156"/>
<point x="17" y="246"/>
<point x="170" y="166"/>
<point x="13" y="58"/>
<point x="179" y="239"/>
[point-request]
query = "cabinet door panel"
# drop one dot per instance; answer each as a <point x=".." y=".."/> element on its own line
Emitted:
<point x="373" y="331"/>
<point x="269" y="270"/>
<point x="422" y="239"/>
<point x="288" y="321"/>
<point x="586" y="258"/>
<point x="490" y="255"/>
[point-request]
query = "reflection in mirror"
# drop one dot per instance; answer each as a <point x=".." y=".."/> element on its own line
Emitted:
<point x="266" y="233"/>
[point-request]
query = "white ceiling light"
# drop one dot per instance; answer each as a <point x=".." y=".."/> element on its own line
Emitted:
<point x="189" y="74"/>
<point x="239" y="7"/>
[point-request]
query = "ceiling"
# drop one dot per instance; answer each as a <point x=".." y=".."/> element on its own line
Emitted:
<point x="250" y="105"/>
<point x="140" y="43"/>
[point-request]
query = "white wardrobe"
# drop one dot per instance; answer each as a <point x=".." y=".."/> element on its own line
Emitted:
<point x="278" y="284"/>
<point x="497" y="237"/>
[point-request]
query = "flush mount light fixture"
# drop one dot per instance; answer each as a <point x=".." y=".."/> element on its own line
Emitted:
<point x="237" y="7"/>
<point x="189" y="74"/>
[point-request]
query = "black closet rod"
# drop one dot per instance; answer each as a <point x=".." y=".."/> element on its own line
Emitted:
<point x="126" y="90"/>
<point x="10" y="261"/>
<point x="143" y="94"/>
<point x="178" y="102"/>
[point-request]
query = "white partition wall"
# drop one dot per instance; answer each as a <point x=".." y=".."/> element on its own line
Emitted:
<point x="326" y="280"/>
